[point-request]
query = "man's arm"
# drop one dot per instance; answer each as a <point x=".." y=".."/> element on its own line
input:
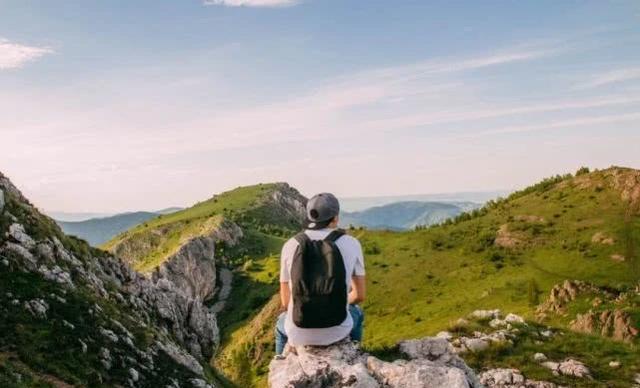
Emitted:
<point x="288" y="250"/>
<point x="358" y="290"/>
<point x="285" y="295"/>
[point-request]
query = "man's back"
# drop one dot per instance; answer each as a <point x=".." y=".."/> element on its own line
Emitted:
<point x="354" y="266"/>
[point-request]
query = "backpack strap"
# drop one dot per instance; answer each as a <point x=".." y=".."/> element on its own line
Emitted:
<point x="301" y="238"/>
<point x="335" y="235"/>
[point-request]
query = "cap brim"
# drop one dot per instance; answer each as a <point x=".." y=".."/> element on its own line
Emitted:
<point x="317" y="224"/>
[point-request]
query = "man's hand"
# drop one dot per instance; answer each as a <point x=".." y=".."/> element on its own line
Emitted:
<point x="285" y="295"/>
<point x="358" y="291"/>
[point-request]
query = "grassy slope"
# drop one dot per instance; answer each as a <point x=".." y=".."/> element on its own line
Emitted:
<point x="150" y="243"/>
<point x="247" y="327"/>
<point x="448" y="271"/>
<point x="442" y="273"/>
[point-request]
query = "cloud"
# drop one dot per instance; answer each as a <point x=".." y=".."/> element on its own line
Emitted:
<point x="15" y="55"/>
<point x="378" y="119"/>
<point x="611" y="77"/>
<point x="561" y="124"/>
<point x="453" y="65"/>
<point x="253" y="3"/>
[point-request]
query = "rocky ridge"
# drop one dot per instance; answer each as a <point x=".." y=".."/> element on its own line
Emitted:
<point x="137" y="331"/>
<point x="191" y="264"/>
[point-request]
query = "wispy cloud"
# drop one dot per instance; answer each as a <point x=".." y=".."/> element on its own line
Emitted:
<point x="561" y="124"/>
<point x="15" y="55"/>
<point x="614" y="76"/>
<point x="253" y="3"/>
<point x="452" y="65"/>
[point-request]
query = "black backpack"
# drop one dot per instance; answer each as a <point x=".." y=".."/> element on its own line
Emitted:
<point x="318" y="282"/>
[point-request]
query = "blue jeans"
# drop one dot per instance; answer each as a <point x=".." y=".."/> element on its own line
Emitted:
<point x="356" y="332"/>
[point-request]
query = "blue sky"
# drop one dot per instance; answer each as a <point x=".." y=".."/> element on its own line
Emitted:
<point x="126" y="105"/>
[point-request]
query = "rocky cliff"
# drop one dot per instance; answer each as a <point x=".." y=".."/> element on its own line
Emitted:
<point x="193" y="268"/>
<point x="77" y="315"/>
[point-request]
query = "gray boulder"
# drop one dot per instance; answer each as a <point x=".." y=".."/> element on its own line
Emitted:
<point x="37" y="307"/>
<point x="432" y="364"/>
<point x="511" y="378"/>
<point x="18" y="235"/>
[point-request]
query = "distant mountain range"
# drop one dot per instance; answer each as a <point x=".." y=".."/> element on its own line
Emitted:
<point x="402" y="215"/>
<point x="97" y="231"/>
<point x="84" y="216"/>
<point x="405" y="215"/>
<point x="354" y="204"/>
<point x="386" y="212"/>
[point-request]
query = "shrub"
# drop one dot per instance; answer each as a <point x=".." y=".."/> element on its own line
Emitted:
<point x="371" y="248"/>
<point x="496" y="257"/>
<point x="582" y="171"/>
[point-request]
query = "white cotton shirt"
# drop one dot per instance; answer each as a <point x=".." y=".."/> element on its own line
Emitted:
<point x="354" y="265"/>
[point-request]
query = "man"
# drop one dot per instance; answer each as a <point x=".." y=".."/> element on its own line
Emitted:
<point x="317" y="310"/>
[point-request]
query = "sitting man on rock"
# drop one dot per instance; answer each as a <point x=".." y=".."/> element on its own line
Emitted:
<point x="321" y="281"/>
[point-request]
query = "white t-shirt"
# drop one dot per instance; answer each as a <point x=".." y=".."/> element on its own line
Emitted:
<point x="354" y="265"/>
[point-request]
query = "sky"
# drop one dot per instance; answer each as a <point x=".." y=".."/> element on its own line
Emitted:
<point x="109" y="106"/>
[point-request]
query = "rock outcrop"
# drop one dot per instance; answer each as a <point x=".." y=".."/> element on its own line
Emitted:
<point x="505" y="238"/>
<point x="193" y="268"/>
<point x="607" y="318"/>
<point x="430" y="363"/>
<point x="627" y="183"/>
<point x="511" y="378"/>
<point x="174" y="333"/>
<point x="289" y="202"/>
<point x="561" y="294"/>
<point x="226" y="281"/>
<point x="616" y="324"/>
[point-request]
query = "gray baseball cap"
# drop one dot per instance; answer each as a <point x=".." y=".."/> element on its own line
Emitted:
<point x="321" y="209"/>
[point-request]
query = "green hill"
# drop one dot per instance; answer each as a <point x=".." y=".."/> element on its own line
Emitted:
<point x="507" y="255"/>
<point x="265" y="213"/>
